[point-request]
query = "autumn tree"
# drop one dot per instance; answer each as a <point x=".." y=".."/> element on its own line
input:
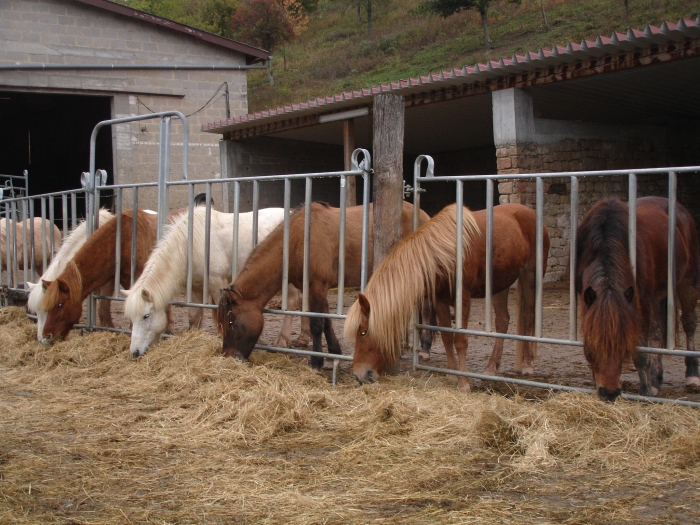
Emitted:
<point x="210" y="15"/>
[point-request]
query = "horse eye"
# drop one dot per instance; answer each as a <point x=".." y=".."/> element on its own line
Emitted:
<point x="60" y="305"/>
<point x="147" y="316"/>
<point x="363" y="333"/>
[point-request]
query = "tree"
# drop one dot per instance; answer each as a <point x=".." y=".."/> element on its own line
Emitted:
<point x="447" y="8"/>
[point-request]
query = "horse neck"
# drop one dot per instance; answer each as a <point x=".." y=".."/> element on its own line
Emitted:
<point x="261" y="277"/>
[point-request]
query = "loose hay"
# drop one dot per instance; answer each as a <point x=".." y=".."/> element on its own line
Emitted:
<point x="182" y="435"/>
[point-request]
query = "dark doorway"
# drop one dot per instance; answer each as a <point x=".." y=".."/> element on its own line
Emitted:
<point x="49" y="136"/>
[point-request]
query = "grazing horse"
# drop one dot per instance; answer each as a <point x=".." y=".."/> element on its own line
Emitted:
<point x="39" y="247"/>
<point x="240" y="316"/>
<point x="165" y="272"/>
<point x="70" y="246"/>
<point x="619" y="311"/>
<point x="424" y="264"/>
<point x="93" y="266"/>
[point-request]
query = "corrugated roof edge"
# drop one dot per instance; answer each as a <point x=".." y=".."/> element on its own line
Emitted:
<point x="572" y="52"/>
<point x="254" y="54"/>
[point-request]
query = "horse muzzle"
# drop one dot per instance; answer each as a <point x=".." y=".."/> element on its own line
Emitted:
<point x="48" y="340"/>
<point x="365" y="375"/>
<point x="608" y="395"/>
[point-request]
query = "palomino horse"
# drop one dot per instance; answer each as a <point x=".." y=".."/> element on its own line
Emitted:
<point x="165" y="272"/>
<point x="424" y="264"/>
<point x="619" y="312"/>
<point x="93" y="266"/>
<point x="240" y="313"/>
<point x="70" y="246"/>
<point x="40" y="248"/>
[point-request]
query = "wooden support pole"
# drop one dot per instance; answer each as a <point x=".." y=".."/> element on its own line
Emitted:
<point x="388" y="173"/>
<point x="348" y="148"/>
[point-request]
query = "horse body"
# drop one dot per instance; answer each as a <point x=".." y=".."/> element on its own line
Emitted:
<point x="69" y="247"/>
<point x="93" y="266"/>
<point x="424" y="264"/>
<point x="620" y="311"/>
<point x="239" y="316"/>
<point x="39" y="247"/>
<point x="165" y="272"/>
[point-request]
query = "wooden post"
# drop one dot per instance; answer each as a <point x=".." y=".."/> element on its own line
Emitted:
<point x="388" y="173"/>
<point x="348" y="148"/>
<point x="388" y="179"/>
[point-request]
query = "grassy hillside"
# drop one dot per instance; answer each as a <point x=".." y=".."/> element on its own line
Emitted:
<point x="337" y="54"/>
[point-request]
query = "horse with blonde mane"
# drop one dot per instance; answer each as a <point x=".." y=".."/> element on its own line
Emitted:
<point x="424" y="265"/>
<point x="94" y="266"/>
<point x="41" y="246"/>
<point x="620" y="310"/>
<point x="69" y="247"/>
<point x="165" y="273"/>
<point x="240" y="313"/>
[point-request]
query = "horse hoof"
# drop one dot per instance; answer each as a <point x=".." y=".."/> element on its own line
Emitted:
<point x="693" y="381"/>
<point x="489" y="371"/>
<point x="281" y="343"/>
<point x="424" y="355"/>
<point x="527" y="371"/>
<point x="464" y="388"/>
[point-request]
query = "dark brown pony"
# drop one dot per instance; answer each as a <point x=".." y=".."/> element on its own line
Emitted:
<point x="240" y="312"/>
<point x="618" y="312"/>
<point x="424" y="264"/>
<point x="93" y="266"/>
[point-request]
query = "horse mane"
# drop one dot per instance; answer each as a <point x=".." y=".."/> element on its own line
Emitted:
<point x="166" y="269"/>
<point x="70" y="276"/>
<point x="610" y="324"/>
<point x="408" y="274"/>
<point x="75" y="240"/>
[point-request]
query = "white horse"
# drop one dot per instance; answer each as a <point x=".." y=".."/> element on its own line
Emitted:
<point x="39" y="247"/>
<point x="76" y="238"/>
<point x="165" y="273"/>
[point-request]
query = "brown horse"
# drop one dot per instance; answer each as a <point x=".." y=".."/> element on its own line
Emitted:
<point x="619" y="312"/>
<point x="240" y="312"/>
<point x="424" y="264"/>
<point x="92" y="267"/>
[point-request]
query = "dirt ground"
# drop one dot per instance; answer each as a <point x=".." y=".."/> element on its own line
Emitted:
<point x="558" y="364"/>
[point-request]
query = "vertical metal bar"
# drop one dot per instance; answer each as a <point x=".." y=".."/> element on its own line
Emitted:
<point x="460" y="252"/>
<point x="207" y="244"/>
<point x="134" y="232"/>
<point x="341" y="246"/>
<point x="488" y="297"/>
<point x="26" y="204"/>
<point x="64" y="214"/>
<point x="118" y="250"/>
<point x="539" y="238"/>
<point x="74" y="210"/>
<point x="236" y="208"/>
<point x="31" y="248"/>
<point x="365" y="229"/>
<point x="573" y="305"/>
<point x="24" y="245"/>
<point x="285" y="243"/>
<point x="632" y="221"/>
<point x="8" y="251"/>
<point x="52" y="223"/>
<point x="256" y="200"/>
<point x="44" y="248"/>
<point x="307" y="245"/>
<point x="190" y="241"/>
<point x="671" y="262"/>
<point x="163" y="174"/>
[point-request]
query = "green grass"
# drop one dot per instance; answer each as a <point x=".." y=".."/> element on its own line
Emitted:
<point x="336" y="54"/>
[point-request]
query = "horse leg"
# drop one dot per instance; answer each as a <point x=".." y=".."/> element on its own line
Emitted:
<point x="305" y="334"/>
<point x="688" y="298"/>
<point x="104" y="311"/>
<point x="319" y="303"/>
<point x="649" y="366"/>
<point x="500" y="308"/>
<point x="444" y="318"/>
<point x="525" y="352"/>
<point x="461" y="344"/>
<point x="194" y="314"/>
<point x="426" y="336"/>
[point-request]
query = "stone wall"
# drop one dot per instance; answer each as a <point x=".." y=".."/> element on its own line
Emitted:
<point x="64" y="32"/>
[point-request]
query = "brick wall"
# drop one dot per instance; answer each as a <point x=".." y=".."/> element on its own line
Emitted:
<point x="64" y="32"/>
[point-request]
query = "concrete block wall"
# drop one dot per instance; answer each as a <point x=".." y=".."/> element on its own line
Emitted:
<point x="65" y="32"/>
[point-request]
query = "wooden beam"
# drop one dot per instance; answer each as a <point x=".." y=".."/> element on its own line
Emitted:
<point x="348" y="148"/>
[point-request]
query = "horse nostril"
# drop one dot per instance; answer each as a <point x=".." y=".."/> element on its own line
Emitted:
<point x="609" y="395"/>
<point x="135" y="353"/>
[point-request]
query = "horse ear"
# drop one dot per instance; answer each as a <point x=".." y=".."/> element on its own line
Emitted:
<point x="146" y="295"/>
<point x="31" y="286"/>
<point x="63" y="286"/>
<point x="589" y="296"/>
<point x="46" y="284"/>
<point x="364" y="304"/>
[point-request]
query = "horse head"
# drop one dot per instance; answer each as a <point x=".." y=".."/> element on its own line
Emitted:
<point x="610" y="328"/>
<point x="147" y="321"/>
<point x="240" y="322"/>
<point x="369" y="361"/>
<point x="63" y="305"/>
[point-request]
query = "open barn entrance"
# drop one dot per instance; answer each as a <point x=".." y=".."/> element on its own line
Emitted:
<point x="49" y="136"/>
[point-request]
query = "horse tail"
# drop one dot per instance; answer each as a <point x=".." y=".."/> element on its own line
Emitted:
<point x="409" y="274"/>
<point x="610" y="328"/>
<point x="71" y="279"/>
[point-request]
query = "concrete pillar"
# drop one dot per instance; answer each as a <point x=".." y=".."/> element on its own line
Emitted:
<point x="513" y="118"/>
